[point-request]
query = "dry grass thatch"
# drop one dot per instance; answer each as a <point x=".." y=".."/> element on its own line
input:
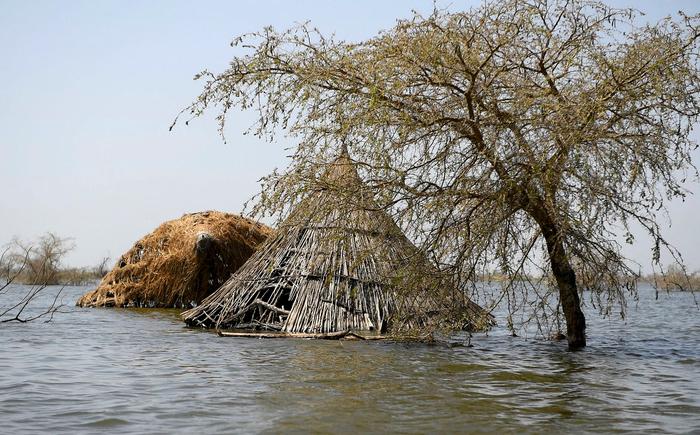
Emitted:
<point x="180" y="263"/>
<point x="338" y="263"/>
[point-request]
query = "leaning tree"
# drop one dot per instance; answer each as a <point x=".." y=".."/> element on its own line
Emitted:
<point x="524" y="134"/>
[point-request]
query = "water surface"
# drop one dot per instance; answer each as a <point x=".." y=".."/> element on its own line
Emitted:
<point x="136" y="371"/>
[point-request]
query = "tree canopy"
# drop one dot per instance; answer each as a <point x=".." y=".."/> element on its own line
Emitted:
<point x="524" y="135"/>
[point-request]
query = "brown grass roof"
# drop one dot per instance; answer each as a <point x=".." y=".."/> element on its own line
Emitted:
<point x="180" y="262"/>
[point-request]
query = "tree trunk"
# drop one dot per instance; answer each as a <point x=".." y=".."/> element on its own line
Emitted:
<point x="566" y="281"/>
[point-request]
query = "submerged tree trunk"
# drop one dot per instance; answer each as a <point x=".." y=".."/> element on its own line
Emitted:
<point x="568" y="293"/>
<point x="566" y="281"/>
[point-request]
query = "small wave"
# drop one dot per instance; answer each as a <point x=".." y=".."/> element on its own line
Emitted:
<point x="106" y="422"/>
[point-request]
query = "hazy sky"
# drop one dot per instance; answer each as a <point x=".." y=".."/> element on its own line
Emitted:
<point x="88" y="90"/>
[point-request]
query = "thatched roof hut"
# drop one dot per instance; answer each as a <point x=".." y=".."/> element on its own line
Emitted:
<point x="180" y="263"/>
<point x="337" y="263"/>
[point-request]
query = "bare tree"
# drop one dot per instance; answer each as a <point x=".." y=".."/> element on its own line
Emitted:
<point x="102" y="268"/>
<point x="43" y="258"/>
<point x="12" y="266"/>
<point x="524" y="134"/>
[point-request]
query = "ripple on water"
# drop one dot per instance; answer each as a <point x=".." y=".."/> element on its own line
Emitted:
<point x="105" y="423"/>
<point x="135" y="371"/>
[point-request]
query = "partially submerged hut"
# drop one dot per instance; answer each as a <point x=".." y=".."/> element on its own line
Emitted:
<point x="338" y="263"/>
<point x="180" y="263"/>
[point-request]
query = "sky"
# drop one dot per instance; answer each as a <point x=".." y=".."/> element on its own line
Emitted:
<point x="88" y="90"/>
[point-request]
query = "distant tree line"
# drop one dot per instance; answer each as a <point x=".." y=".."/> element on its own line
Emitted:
<point x="41" y="262"/>
<point x="675" y="278"/>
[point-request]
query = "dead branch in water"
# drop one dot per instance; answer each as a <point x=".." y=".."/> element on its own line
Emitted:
<point x="347" y="335"/>
<point x="13" y="265"/>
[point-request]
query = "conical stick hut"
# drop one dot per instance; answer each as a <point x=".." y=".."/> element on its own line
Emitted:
<point x="337" y="263"/>
<point x="180" y="263"/>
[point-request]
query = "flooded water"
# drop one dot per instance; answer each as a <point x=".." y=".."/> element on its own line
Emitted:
<point x="140" y="371"/>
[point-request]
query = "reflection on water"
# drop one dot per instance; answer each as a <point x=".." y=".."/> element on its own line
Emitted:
<point x="136" y="371"/>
